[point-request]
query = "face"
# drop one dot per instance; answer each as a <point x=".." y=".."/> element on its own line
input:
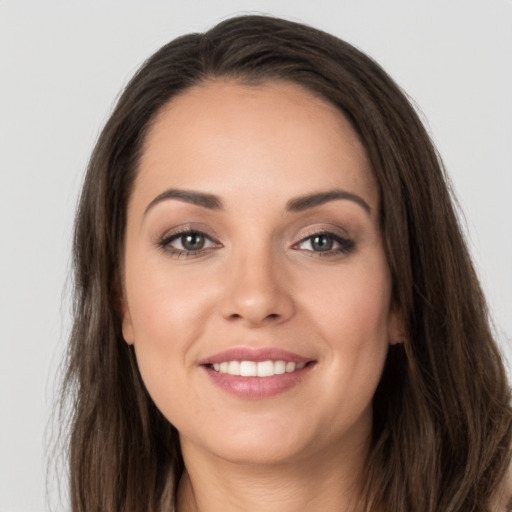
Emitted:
<point x="256" y="288"/>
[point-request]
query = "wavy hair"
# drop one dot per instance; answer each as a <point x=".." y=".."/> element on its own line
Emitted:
<point x="442" y="417"/>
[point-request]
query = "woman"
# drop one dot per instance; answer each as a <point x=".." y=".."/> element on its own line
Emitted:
<point x="275" y="308"/>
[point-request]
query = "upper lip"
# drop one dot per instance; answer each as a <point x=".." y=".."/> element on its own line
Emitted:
<point x="255" y="354"/>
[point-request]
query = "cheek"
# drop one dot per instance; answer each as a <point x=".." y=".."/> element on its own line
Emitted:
<point x="164" y="330"/>
<point x="353" y="305"/>
<point x="351" y="313"/>
<point x="168" y="312"/>
<point x="165" y="303"/>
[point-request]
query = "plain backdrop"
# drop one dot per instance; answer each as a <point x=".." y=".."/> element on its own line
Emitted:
<point x="62" y="64"/>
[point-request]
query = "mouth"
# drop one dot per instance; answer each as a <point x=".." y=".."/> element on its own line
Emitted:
<point x="257" y="369"/>
<point x="255" y="374"/>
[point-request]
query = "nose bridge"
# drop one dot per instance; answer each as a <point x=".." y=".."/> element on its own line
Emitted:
<point x="256" y="291"/>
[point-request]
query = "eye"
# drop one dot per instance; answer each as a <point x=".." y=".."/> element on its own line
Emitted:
<point x="321" y="242"/>
<point x="191" y="241"/>
<point x="187" y="243"/>
<point x="325" y="244"/>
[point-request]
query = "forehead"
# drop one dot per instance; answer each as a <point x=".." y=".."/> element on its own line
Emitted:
<point x="271" y="135"/>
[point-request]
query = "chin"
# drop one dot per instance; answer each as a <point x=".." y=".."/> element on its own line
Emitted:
<point x="265" y="453"/>
<point x="264" y="442"/>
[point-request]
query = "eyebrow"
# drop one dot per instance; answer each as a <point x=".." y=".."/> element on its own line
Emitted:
<point x="198" y="198"/>
<point x="297" y="204"/>
<point x="302" y="203"/>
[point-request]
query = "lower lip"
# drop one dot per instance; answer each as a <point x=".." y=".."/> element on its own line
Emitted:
<point x="257" y="388"/>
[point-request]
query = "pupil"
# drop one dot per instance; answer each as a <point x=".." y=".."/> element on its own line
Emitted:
<point x="322" y="243"/>
<point x="193" y="241"/>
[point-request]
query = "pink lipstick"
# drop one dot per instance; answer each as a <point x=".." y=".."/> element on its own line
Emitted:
<point x="254" y="374"/>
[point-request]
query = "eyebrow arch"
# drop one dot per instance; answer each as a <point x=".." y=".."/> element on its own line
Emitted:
<point x="316" y="199"/>
<point x="189" y="196"/>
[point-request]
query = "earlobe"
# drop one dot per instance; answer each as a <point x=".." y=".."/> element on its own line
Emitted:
<point x="123" y="310"/>
<point x="396" y="327"/>
<point x="126" y="323"/>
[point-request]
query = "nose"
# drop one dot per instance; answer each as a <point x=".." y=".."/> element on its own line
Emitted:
<point x="257" y="292"/>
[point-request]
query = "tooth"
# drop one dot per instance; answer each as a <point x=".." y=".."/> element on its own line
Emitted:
<point x="248" y="369"/>
<point x="279" y="367"/>
<point x="234" y="368"/>
<point x="253" y="369"/>
<point x="290" y="367"/>
<point x="265" y="369"/>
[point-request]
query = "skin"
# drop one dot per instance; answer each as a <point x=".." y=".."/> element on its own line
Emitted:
<point x="259" y="282"/>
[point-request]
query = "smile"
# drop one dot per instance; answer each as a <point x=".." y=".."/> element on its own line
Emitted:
<point x="257" y="373"/>
<point x="257" y="369"/>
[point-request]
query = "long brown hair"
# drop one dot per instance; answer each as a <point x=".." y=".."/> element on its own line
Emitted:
<point x="442" y="419"/>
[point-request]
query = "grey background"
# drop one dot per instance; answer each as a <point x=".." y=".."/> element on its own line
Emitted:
<point x="62" y="64"/>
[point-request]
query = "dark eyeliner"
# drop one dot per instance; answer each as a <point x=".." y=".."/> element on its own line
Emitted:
<point x="164" y="242"/>
<point x="346" y="245"/>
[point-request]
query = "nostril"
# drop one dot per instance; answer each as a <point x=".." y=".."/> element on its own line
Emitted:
<point x="256" y="305"/>
<point x="266" y="318"/>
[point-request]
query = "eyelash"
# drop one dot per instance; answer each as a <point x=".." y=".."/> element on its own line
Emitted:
<point x="345" y="245"/>
<point x="165" y="243"/>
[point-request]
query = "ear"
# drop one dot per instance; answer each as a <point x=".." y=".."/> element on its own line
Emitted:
<point x="122" y="310"/>
<point x="126" y="319"/>
<point x="396" y="326"/>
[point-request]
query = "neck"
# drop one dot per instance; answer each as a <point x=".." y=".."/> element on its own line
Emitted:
<point x="315" y="483"/>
